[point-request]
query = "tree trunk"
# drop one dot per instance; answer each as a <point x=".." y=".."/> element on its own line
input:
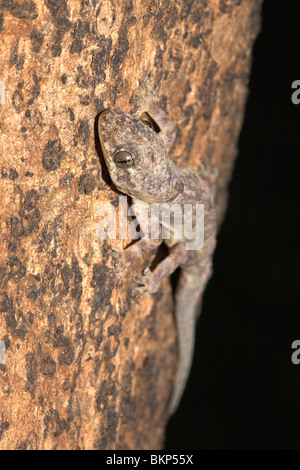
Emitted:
<point x="86" y="365"/>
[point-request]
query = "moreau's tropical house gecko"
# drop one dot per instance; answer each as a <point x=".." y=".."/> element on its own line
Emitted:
<point x="137" y="159"/>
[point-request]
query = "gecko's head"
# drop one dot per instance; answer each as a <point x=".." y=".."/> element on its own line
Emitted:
<point x="135" y="156"/>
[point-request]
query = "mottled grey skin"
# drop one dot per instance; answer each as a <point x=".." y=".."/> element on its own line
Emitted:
<point x="154" y="178"/>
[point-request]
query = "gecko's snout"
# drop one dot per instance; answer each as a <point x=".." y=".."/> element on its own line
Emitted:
<point x="103" y="118"/>
<point x="114" y="127"/>
<point x="105" y="112"/>
<point x="108" y="123"/>
<point x="106" y="127"/>
<point x="109" y="115"/>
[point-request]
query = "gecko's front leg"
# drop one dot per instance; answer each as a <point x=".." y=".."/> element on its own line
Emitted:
<point x="147" y="245"/>
<point x="147" y="103"/>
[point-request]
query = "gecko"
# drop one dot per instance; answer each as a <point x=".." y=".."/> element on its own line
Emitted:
<point x="137" y="157"/>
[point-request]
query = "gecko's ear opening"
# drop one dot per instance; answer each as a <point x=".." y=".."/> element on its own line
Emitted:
<point x="148" y="121"/>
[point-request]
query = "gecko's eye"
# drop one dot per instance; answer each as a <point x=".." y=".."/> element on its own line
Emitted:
<point x="123" y="159"/>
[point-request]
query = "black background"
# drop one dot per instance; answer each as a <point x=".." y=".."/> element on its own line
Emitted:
<point x="244" y="391"/>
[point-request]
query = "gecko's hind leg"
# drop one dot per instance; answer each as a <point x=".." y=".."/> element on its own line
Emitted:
<point x="123" y="258"/>
<point x="150" y="281"/>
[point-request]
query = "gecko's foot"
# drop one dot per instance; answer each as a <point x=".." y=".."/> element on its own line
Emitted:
<point x="146" y="90"/>
<point x="209" y="172"/>
<point x="115" y="254"/>
<point x="118" y="262"/>
<point x="146" y="284"/>
<point x="146" y="95"/>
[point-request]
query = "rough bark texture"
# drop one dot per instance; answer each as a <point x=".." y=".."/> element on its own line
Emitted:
<point x="86" y="365"/>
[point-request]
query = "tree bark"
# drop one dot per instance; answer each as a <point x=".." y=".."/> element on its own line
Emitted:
<point x="86" y="366"/>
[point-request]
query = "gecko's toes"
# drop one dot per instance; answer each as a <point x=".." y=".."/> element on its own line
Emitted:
<point x="138" y="279"/>
<point x="118" y="265"/>
<point x="115" y="255"/>
<point x="209" y="172"/>
<point x="140" y="104"/>
<point x="145" y="87"/>
<point x="145" y="96"/>
<point x="139" y="290"/>
<point x="119" y="281"/>
<point x="133" y="293"/>
<point x="146" y="283"/>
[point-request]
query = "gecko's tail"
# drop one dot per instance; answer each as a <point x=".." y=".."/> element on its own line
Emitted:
<point x="187" y="300"/>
